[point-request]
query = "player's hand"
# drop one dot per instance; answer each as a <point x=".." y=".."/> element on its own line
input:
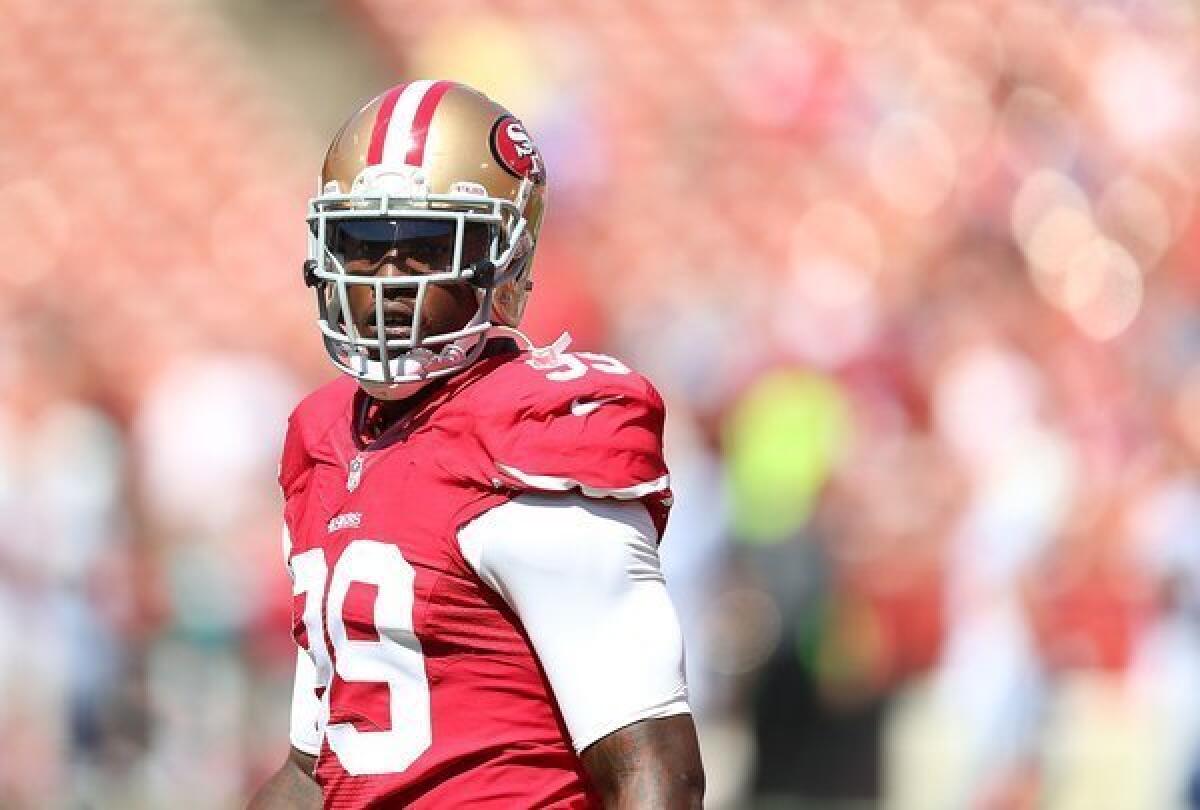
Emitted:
<point x="292" y="786"/>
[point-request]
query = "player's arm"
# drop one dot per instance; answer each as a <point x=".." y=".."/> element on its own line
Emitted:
<point x="292" y="787"/>
<point x="583" y="576"/>
<point x="294" y="784"/>
<point x="649" y="765"/>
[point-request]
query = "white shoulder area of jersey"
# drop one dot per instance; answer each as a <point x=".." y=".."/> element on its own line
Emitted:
<point x="557" y="483"/>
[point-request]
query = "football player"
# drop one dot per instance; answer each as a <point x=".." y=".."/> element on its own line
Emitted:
<point x="471" y="523"/>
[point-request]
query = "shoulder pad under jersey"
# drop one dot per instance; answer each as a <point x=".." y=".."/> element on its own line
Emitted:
<point x="579" y="421"/>
<point x="308" y="427"/>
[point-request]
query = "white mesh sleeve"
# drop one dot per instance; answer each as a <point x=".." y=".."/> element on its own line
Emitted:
<point x="287" y="552"/>
<point x="305" y="725"/>
<point x="583" y="576"/>
<point x="305" y="728"/>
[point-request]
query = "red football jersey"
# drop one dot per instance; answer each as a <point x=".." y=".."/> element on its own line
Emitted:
<point x="435" y="697"/>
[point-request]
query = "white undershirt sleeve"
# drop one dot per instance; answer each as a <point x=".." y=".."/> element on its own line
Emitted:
<point x="305" y="727"/>
<point x="305" y="724"/>
<point x="583" y="576"/>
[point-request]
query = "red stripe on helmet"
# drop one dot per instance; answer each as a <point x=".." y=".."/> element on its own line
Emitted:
<point x="421" y="120"/>
<point x="382" y="119"/>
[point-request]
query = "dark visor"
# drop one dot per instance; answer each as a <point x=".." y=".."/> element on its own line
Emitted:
<point x="428" y="241"/>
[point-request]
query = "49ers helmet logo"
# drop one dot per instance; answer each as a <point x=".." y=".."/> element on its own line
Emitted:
<point x="514" y="150"/>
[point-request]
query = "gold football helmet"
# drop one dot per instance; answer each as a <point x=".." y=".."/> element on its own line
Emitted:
<point x="437" y="164"/>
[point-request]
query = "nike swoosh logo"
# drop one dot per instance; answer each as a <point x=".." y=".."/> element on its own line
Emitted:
<point x="582" y="407"/>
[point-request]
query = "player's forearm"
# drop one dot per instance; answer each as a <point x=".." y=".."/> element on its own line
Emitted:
<point x="650" y="765"/>
<point x="292" y="787"/>
<point x="654" y="790"/>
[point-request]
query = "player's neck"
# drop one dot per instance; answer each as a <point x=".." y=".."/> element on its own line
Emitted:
<point x="375" y="417"/>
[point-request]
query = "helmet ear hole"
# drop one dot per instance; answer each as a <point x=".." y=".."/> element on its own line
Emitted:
<point x="508" y="303"/>
<point x="519" y="266"/>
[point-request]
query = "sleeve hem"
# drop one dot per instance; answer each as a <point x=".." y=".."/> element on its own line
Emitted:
<point x="305" y="746"/>
<point x="672" y="708"/>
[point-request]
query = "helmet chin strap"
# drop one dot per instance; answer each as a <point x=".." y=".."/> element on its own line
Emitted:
<point x="420" y="362"/>
<point x="417" y="366"/>
<point x="540" y="356"/>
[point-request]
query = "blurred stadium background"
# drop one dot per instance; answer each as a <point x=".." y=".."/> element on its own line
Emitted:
<point x="918" y="280"/>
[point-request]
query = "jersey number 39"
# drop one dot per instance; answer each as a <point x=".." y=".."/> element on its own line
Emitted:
<point x="394" y="658"/>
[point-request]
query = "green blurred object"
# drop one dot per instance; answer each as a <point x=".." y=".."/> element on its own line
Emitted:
<point x="782" y="438"/>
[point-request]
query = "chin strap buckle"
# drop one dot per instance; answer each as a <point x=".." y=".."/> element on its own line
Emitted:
<point x="310" y="272"/>
<point x="483" y="274"/>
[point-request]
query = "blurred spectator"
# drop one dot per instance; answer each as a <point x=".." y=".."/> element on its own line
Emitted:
<point x="208" y="439"/>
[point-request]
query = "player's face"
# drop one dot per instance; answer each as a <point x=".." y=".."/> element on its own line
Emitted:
<point x="392" y="248"/>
